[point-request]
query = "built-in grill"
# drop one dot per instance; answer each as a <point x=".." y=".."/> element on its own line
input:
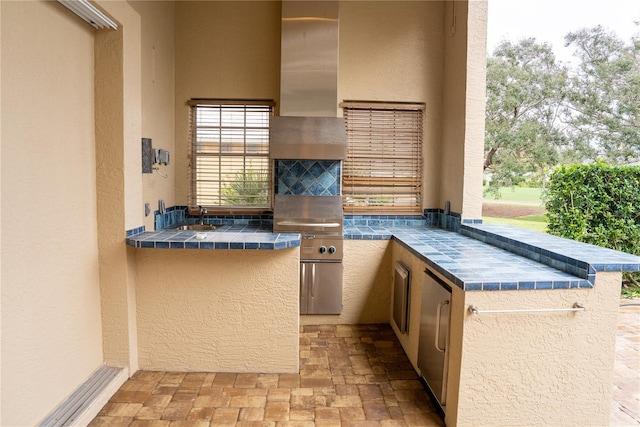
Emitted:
<point x="319" y="219"/>
<point x="307" y="136"/>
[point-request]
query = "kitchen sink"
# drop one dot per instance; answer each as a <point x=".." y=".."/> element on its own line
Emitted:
<point x="195" y="227"/>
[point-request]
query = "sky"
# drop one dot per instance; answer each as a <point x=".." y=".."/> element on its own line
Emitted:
<point x="550" y="20"/>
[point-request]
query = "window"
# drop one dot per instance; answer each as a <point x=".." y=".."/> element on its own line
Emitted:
<point x="383" y="169"/>
<point x="229" y="156"/>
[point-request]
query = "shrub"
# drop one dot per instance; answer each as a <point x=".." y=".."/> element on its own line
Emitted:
<point x="597" y="204"/>
<point x="249" y="187"/>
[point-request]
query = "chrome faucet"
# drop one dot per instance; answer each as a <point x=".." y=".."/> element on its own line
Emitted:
<point x="202" y="212"/>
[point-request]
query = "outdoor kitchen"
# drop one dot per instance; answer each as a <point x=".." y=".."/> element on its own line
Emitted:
<point x="337" y="269"/>
<point x="502" y="327"/>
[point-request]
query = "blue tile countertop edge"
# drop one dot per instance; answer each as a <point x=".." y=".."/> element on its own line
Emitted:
<point x="241" y="236"/>
<point x="579" y="259"/>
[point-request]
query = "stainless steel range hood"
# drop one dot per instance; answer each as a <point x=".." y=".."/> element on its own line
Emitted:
<point x="307" y="127"/>
<point x="308" y="138"/>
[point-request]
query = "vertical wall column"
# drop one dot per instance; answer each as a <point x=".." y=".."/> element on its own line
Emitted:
<point x="118" y="117"/>
<point x="464" y="107"/>
<point x="475" y="109"/>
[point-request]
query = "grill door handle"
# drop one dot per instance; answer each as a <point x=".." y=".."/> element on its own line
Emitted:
<point x="438" y="316"/>
<point x="309" y="224"/>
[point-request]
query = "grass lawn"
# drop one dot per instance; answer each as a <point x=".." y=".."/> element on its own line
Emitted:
<point x="519" y="194"/>
<point x="518" y="197"/>
<point x="530" y="222"/>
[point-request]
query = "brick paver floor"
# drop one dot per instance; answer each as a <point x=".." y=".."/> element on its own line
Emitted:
<point x="625" y="407"/>
<point x="350" y="376"/>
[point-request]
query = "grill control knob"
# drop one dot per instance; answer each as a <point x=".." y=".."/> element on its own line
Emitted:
<point x="322" y="249"/>
<point x="332" y="249"/>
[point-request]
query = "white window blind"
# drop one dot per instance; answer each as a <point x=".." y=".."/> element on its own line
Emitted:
<point x="229" y="156"/>
<point x="383" y="169"/>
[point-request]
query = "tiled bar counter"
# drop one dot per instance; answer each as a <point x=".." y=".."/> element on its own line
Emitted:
<point x="231" y="299"/>
<point x="480" y="257"/>
<point x="224" y="237"/>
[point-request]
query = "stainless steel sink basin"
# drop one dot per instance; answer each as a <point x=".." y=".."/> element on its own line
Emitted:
<point x="196" y="227"/>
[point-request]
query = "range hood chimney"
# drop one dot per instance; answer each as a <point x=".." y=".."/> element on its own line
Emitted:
<point x="307" y="127"/>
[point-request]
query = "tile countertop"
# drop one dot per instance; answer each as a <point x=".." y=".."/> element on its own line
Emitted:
<point x="224" y="237"/>
<point x="481" y="257"/>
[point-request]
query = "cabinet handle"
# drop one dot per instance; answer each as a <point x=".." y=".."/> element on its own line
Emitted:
<point x="313" y="278"/>
<point x="438" y="316"/>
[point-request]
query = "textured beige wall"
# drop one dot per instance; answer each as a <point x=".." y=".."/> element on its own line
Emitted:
<point x="536" y="368"/>
<point x="130" y="108"/>
<point x="51" y="331"/>
<point x="475" y="109"/>
<point x="224" y="49"/>
<point x="416" y="267"/>
<point x="366" y="289"/>
<point x="158" y="82"/>
<point x="389" y="50"/>
<point x="454" y="87"/>
<point x="218" y="311"/>
<point x="119" y="183"/>
<point x="393" y="51"/>
<point x="463" y="109"/>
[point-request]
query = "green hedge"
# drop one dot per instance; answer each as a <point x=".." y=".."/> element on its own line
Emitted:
<point x="597" y="204"/>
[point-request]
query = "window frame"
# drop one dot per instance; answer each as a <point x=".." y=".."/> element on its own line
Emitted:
<point x="372" y="170"/>
<point x="223" y="153"/>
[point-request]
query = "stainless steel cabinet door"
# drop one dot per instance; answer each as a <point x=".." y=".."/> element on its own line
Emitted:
<point x="434" y="335"/>
<point x="321" y="288"/>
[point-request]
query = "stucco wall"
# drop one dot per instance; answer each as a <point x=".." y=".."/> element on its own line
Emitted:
<point x="454" y="86"/>
<point x="463" y="107"/>
<point x="366" y="287"/>
<point x="393" y="51"/>
<point x="535" y="368"/>
<point x="51" y="327"/>
<point x="119" y="183"/>
<point x="158" y="83"/>
<point x="218" y="311"/>
<point x="475" y="109"/>
<point x="389" y="50"/>
<point x="224" y="49"/>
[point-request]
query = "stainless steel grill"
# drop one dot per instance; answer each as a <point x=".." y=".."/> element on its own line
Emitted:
<point x="309" y="129"/>
<point x="319" y="219"/>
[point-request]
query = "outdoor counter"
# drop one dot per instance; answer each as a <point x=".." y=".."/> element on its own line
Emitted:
<point x="481" y="257"/>
<point x="517" y="359"/>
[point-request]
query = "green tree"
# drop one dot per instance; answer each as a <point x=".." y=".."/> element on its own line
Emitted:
<point x="526" y="89"/>
<point x="605" y="93"/>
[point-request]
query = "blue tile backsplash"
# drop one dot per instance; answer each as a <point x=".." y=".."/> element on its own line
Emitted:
<point x="308" y="177"/>
<point x="177" y="215"/>
<point x="172" y="216"/>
